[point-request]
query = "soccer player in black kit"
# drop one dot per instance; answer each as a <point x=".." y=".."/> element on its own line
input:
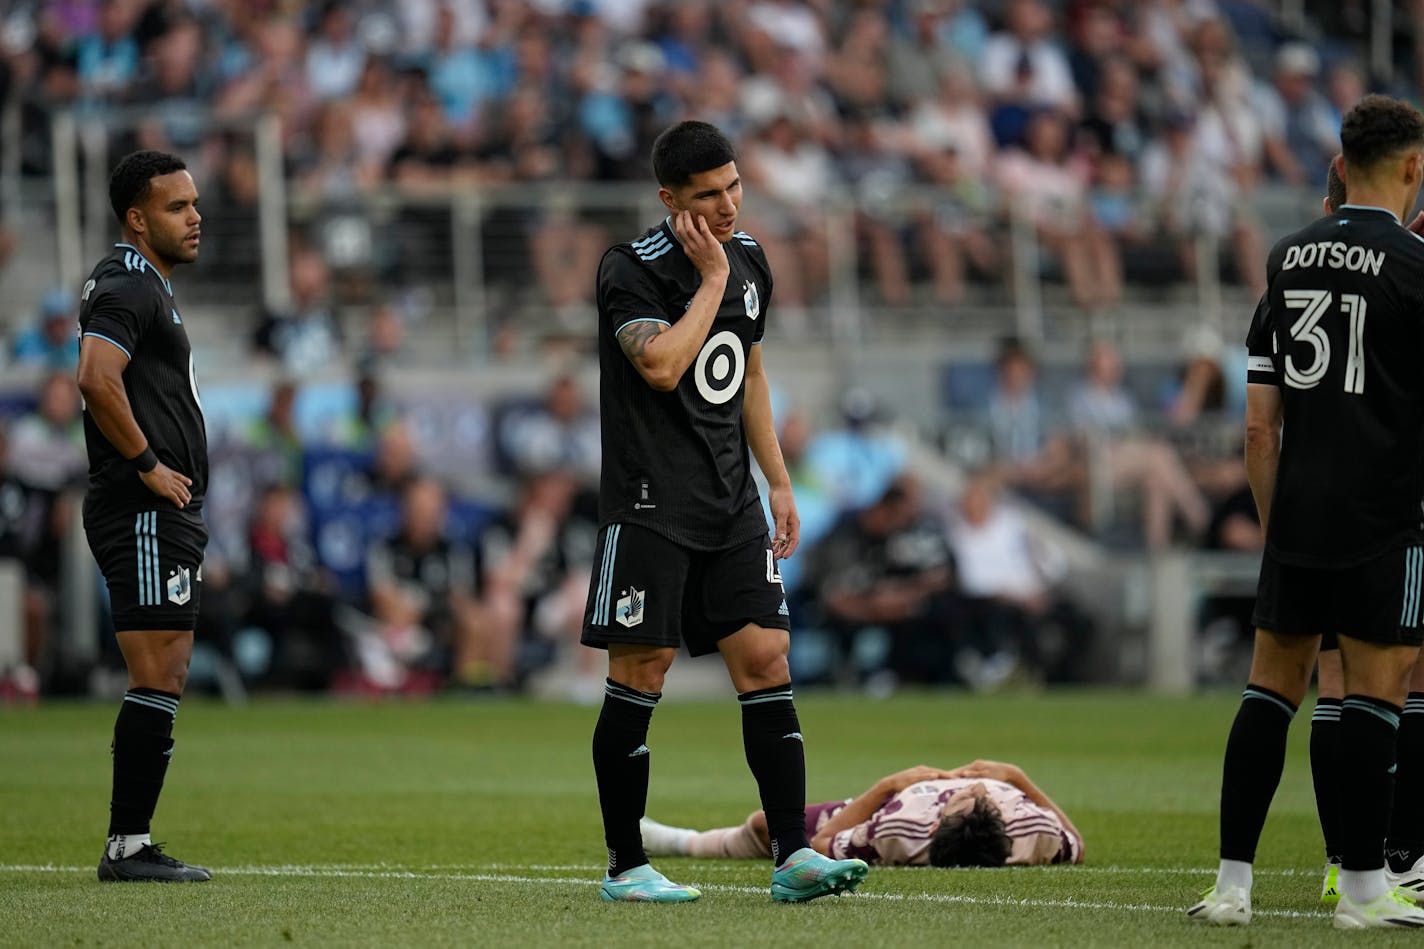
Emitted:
<point x="148" y="468"/>
<point x="683" y="549"/>
<point x="1335" y="458"/>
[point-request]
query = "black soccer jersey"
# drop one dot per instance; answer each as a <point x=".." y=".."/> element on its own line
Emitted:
<point x="128" y="304"/>
<point x="678" y="462"/>
<point x="1341" y="332"/>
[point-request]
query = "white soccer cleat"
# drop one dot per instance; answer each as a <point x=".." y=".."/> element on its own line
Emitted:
<point x="1227" y="907"/>
<point x="1410" y="882"/>
<point x="660" y="840"/>
<point x="1393" y="910"/>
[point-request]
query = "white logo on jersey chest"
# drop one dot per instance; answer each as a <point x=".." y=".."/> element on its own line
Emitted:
<point x="751" y="300"/>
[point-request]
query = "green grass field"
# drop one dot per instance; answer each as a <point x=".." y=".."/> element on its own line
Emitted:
<point x="476" y="824"/>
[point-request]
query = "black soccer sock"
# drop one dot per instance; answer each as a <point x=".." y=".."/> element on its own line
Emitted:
<point x="1367" y="733"/>
<point x="1255" y="756"/>
<point x="620" y="761"/>
<point x="1405" y="843"/>
<point x="1325" y="772"/>
<point x="771" y="735"/>
<point x="143" y="744"/>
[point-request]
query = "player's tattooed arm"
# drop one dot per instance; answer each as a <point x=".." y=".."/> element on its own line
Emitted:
<point x="634" y="337"/>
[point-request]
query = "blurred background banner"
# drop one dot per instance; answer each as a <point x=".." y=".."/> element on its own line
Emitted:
<point x="1016" y="246"/>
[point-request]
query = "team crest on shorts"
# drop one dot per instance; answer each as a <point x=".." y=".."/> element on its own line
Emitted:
<point x="180" y="586"/>
<point x="630" y="607"/>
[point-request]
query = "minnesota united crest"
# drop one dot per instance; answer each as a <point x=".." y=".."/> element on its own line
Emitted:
<point x="751" y="299"/>
<point x="630" y="607"/>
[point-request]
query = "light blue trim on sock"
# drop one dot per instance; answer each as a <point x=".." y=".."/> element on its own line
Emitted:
<point x="1276" y="700"/>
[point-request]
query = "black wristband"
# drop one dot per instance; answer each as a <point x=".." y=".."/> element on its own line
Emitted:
<point x="145" y="461"/>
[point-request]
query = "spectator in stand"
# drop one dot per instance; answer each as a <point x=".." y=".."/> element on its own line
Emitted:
<point x="23" y="530"/>
<point x="1194" y="198"/>
<point x="1030" y="450"/>
<point x="791" y="171"/>
<point x="289" y="596"/>
<point x="889" y="566"/>
<point x="275" y="434"/>
<point x="52" y="342"/>
<point x="377" y="120"/>
<point x="1009" y="578"/>
<point x="560" y="434"/>
<point x="428" y="625"/>
<point x="955" y="231"/>
<point x="1116" y="123"/>
<point x="1023" y="66"/>
<point x="47" y="445"/>
<point x="1105" y="418"/>
<point x="534" y="568"/>
<point x="307" y="335"/>
<point x="1227" y="629"/>
<point x="371" y="416"/>
<point x="875" y="171"/>
<point x="857" y="462"/>
<point x="919" y="57"/>
<point x="108" y="58"/>
<point x="1301" y="129"/>
<point x="335" y="56"/>
<point x="813" y="502"/>
<point x="1048" y="183"/>
<point x="395" y="464"/>
<point x="856" y="72"/>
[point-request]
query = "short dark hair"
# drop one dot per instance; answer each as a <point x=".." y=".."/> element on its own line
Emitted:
<point x="687" y="149"/>
<point x="129" y="183"/>
<point x="1377" y="128"/>
<point x="975" y="839"/>
<point x="1334" y="188"/>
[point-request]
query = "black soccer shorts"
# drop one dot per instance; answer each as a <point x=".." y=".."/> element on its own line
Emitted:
<point x="648" y="590"/>
<point x="152" y="562"/>
<point x="1377" y="601"/>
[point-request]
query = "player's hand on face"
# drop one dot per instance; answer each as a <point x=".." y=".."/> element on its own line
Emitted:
<point x="786" y="535"/>
<point x="167" y="483"/>
<point x="700" y="246"/>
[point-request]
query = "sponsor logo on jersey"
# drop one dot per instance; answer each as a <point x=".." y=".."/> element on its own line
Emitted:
<point x="751" y="299"/>
<point x="630" y="607"/>
<point x="180" y="586"/>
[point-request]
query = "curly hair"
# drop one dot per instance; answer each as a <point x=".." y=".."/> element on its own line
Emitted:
<point x="1377" y="128"/>
<point x="974" y="839"/>
<point x="130" y="181"/>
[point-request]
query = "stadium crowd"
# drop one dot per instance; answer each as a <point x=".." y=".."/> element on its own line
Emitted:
<point x="363" y="556"/>
<point x="412" y="541"/>
<point x="1122" y="130"/>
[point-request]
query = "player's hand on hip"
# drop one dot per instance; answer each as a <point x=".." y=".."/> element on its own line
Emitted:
<point x="787" y="533"/>
<point x="167" y="483"/>
<point x="700" y="246"/>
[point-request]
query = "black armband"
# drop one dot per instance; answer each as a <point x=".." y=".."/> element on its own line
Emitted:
<point x="145" y="461"/>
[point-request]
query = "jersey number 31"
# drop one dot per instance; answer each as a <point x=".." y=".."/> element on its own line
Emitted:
<point x="1307" y="329"/>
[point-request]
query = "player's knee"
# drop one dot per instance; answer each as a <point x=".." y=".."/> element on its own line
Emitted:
<point x="763" y="669"/>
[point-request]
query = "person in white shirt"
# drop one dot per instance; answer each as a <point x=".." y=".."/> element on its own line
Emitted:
<point x="982" y="814"/>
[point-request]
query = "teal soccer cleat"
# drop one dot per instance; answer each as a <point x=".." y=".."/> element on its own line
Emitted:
<point x="807" y="875"/>
<point x="645" y="885"/>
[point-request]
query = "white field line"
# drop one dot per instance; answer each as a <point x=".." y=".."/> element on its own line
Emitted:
<point x="374" y="873"/>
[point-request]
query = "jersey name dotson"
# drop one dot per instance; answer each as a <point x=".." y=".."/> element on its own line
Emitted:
<point x="1333" y="254"/>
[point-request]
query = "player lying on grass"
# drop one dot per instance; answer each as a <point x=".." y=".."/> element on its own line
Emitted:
<point x="982" y="814"/>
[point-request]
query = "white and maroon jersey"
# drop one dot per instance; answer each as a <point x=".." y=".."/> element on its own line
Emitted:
<point x="899" y="833"/>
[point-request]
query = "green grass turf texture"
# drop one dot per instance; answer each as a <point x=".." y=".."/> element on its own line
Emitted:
<point x="476" y="824"/>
